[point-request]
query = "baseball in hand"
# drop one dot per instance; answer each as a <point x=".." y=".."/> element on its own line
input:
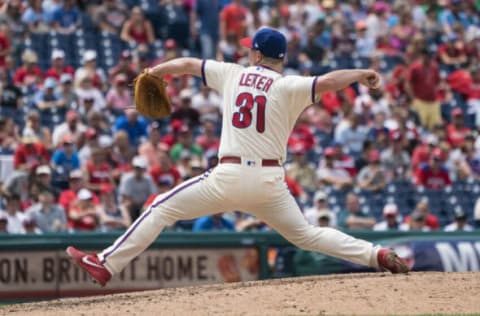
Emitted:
<point x="371" y="79"/>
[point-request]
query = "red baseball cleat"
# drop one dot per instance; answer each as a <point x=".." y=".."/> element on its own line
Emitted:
<point x="389" y="260"/>
<point x="91" y="264"/>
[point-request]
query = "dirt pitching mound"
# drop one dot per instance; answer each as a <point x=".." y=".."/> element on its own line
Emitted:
<point x="351" y="294"/>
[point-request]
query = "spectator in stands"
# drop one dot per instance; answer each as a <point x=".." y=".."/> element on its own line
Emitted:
<point x="328" y="174"/>
<point x="8" y="142"/>
<point x="233" y="20"/>
<point x="353" y="136"/>
<point x="208" y="138"/>
<point x="65" y="159"/>
<point x="433" y="175"/>
<point x="112" y="216"/>
<point x="14" y="214"/>
<point x="372" y="176"/>
<point x="301" y="169"/>
<point x="66" y="93"/>
<point x="230" y="50"/>
<point x="465" y="161"/>
<point x="352" y="217"/>
<point x="362" y="160"/>
<point x="417" y="222"/>
<point x="89" y="96"/>
<point x="319" y="209"/>
<point x="183" y="164"/>
<point x="473" y="92"/>
<point x="171" y="137"/>
<point x="49" y="7"/>
<point x="395" y="160"/>
<point x="171" y="50"/>
<point x="10" y="95"/>
<point x="135" y="126"/>
<point x="91" y="137"/>
<point x="151" y="147"/>
<point x="75" y="183"/>
<point x="124" y="67"/>
<point x="58" y="67"/>
<point x="83" y="214"/>
<point x="456" y="131"/>
<point x="406" y="125"/>
<point x="451" y="14"/>
<point x="422" y="81"/>
<point x="90" y="70"/>
<point x="207" y="102"/>
<point x="185" y="144"/>
<point x="302" y="133"/>
<point x="121" y="152"/>
<point x="315" y="47"/>
<point x="110" y="16"/>
<point x="216" y="222"/>
<point x="404" y="31"/>
<point x="379" y="133"/>
<point x="46" y="98"/>
<point x="460" y="223"/>
<point x="98" y="171"/>
<point x="72" y="127"/>
<point x="29" y="74"/>
<point x="431" y="221"/>
<point x="99" y="122"/>
<point x="30" y="153"/>
<point x="364" y="45"/>
<point x="66" y="19"/>
<point x="46" y="214"/>
<point x="344" y="161"/>
<point x="343" y="43"/>
<point x="163" y="172"/>
<point x="185" y="112"/>
<point x="452" y="52"/>
<point x="42" y="181"/>
<point x="207" y="31"/>
<point x="439" y="130"/>
<point x="17" y="183"/>
<point x="391" y="220"/>
<point x="142" y="59"/>
<point x="422" y="152"/>
<point x="119" y="97"/>
<point x="324" y="219"/>
<point x="35" y="18"/>
<point x="137" y="29"/>
<point x="136" y="186"/>
<point x="5" y="47"/>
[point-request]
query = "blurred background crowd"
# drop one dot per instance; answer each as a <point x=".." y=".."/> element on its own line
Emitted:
<point x="75" y="155"/>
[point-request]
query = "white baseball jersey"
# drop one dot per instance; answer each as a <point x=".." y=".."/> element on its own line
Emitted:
<point x="260" y="107"/>
<point x="259" y="111"/>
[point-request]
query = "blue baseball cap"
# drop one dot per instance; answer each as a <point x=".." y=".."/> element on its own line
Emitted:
<point x="270" y="42"/>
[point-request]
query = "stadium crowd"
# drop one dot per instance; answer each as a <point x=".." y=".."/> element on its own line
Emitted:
<point x="75" y="155"/>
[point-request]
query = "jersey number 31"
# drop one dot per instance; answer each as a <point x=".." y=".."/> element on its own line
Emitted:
<point x="245" y="103"/>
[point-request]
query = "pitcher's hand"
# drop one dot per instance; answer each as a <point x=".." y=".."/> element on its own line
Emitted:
<point x="371" y="79"/>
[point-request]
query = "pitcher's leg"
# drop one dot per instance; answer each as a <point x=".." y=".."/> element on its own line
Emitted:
<point x="191" y="199"/>
<point x="286" y="218"/>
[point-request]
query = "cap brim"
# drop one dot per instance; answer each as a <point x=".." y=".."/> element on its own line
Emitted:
<point x="246" y="42"/>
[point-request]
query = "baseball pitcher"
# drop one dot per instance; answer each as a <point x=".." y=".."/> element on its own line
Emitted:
<point x="260" y="107"/>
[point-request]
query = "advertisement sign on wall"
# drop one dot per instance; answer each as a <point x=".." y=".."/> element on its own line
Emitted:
<point x="29" y="274"/>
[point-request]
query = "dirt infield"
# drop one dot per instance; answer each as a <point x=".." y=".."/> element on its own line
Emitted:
<point x="351" y="294"/>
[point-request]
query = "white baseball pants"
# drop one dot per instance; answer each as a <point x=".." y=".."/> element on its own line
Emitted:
<point x="249" y="188"/>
